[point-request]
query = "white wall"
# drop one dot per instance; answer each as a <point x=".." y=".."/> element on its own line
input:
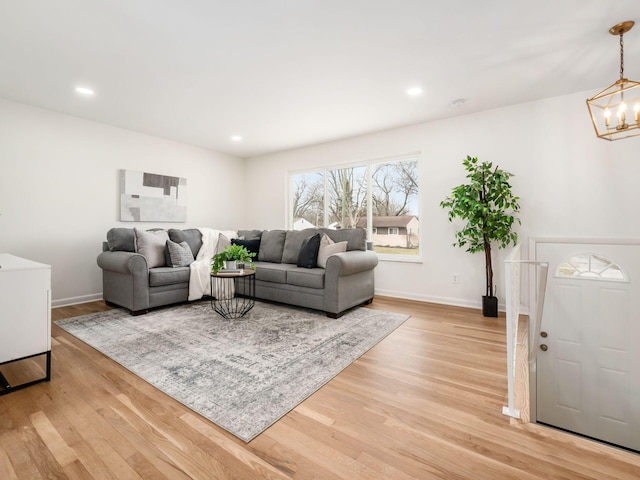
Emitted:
<point x="59" y="190"/>
<point x="571" y="184"/>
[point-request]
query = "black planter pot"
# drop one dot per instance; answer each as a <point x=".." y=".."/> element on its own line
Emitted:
<point x="489" y="306"/>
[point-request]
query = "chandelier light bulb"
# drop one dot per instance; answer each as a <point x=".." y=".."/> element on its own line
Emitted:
<point x="622" y="116"/>
<point x="636" y="111"/>
<point x="607" y="117"/>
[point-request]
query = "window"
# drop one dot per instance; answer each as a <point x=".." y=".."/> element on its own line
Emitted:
<point x="591" y="266"/>
<point x="380" y="196"/>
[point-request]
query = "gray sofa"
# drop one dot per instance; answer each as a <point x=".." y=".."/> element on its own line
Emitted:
<point x="346" y="281"/>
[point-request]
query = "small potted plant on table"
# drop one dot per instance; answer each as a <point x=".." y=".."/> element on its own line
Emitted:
<point x="488" y="206"/>
<point x="230" y="257"/>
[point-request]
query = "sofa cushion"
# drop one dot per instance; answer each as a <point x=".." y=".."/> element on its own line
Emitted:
<point x="179" y="254"/>
<point x="356" y="238"/>
<point x="306" y="277"/>
<point x="308" y="257"/>
<point x="293" y="243"/>
<point x="250" y="234"/>
<point x="168" y="276"/>
<point x="121" y="239"/>
<point x="272" y="246"/>
<point x="272" y="272"/>
<point x="252" y="246"/>
<point x="151" y="245"/>
<point x="328" y="248"/>
<point x="192" y="236"/>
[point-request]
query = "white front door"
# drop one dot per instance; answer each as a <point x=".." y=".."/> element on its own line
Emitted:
<point x="588" y="367"/>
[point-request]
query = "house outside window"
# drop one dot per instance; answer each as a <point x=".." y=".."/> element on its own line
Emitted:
<point x="379" y="196"/>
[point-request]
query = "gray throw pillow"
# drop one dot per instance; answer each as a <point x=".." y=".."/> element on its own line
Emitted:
<point x="271" y="246"/>
<point x="151" y="245"/>
<point x="121" y="240"/>
<point x="192" y="236"/>
<point x="180" y="254"/>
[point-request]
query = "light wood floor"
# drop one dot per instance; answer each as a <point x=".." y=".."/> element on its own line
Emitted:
<point x="424" y="403"/>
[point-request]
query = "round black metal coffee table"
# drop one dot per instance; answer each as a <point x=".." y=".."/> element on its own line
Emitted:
<point x="233" y="293"/>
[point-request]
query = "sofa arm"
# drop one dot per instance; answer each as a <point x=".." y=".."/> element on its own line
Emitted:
<point x="348" y="263"/>
<point x="349" y="280"/>
<point x="124" y="262"/>
<point x="125" y="280"/>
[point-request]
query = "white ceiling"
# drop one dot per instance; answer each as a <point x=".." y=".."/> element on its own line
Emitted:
<point x="288" y="73"/>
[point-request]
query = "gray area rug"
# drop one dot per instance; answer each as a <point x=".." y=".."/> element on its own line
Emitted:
<point x="242" y="374"/>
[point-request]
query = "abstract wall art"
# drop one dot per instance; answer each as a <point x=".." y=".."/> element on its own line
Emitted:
<point x="149" y="197"/>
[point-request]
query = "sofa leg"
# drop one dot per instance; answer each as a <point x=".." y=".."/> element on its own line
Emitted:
<point x="139" y="312"/>
<point x="368" y="302"/>
<point x="334" y="315"/>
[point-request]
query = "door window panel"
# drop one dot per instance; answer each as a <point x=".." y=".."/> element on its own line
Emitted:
<point x="591" y="266"/>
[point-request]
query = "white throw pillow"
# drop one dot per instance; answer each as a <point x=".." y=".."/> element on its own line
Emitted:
<point x="151" y="245"/>
<point x="328" y="248"/>
<point x="223" y="242"/>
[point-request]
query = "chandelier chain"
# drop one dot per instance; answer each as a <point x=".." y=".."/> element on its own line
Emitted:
<point x="621" y="57"/>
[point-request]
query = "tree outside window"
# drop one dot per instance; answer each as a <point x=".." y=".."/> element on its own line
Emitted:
<point x="308" y="200"/>
<point x="347" y="202"/>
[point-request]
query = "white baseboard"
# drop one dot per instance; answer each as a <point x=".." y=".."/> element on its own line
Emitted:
<point x="65" y="302"/>
<point x="457" y="302"/>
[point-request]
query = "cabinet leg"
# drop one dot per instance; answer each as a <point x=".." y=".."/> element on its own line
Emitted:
<point x="48" y="377"/>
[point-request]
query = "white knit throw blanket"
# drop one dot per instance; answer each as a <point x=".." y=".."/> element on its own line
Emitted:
<point x="200" y="279"/>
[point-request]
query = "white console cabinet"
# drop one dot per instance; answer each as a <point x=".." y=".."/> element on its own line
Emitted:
<point x="25" y="313"/>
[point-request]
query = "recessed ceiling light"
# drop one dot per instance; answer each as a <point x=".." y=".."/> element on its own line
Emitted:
<point x="236" y="138"/>
<point x="84" y="91"/>
<point x="413" y="91"/>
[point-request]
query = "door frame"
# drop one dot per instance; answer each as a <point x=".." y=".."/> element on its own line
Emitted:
<point x="533" y="281"/>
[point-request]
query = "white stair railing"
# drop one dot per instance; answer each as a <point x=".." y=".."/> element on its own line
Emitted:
<point x="513" y="269"/>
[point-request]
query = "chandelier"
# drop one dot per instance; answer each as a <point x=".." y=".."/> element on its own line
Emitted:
<point x="615" y="111"/>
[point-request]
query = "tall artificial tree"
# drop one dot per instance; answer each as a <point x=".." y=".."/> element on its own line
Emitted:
<point x="488" y="206"/>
